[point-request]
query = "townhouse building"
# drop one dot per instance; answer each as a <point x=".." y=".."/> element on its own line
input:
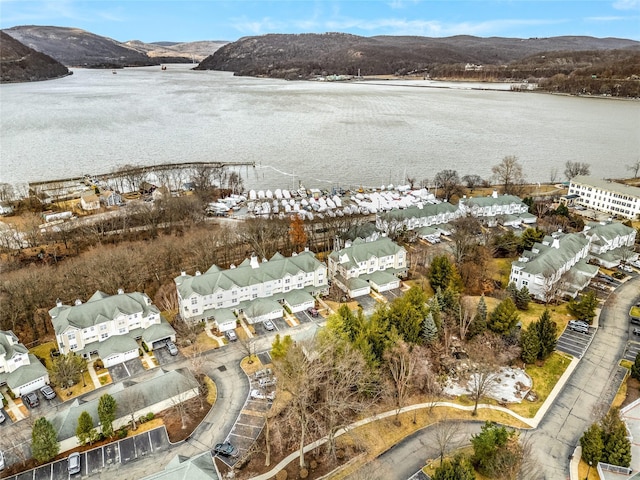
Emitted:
<point x="258" y="289"/>
<point x="109" y="326"/>
<point x="365" y="265"/>
<point x="21" y="371"/>
<point x="494" y="209"/>
<point x="610" y="243"/>
<point x="604" y="196"/>
<point x="417" y="217"/>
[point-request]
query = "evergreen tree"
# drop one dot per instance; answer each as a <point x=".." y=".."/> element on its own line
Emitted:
<point x="529" y="237"/>
<point x="44" y="441"/>
<point x="442" y="273"/>
<point x="280" y="346"/>
<point x="547" y="335"/>
<point x="592" y="444"/>
<point x="635" y="368"/>
<point x="489" y="446"/>
<point x="512" y="291"/>
<point x="429" y="330"/>
<point x="84" y="430"/>
<point x="617" y="448"/>
<point x="459" y="468"/>
<point x="522" y="298"/>
<point x="436" y="313"/>
<point x="482" y="309"/>
<point x="504" y="318"/>
<point x="585" y="308"/>
<point x="107" y="413"/>
<point x="530" y="344"/>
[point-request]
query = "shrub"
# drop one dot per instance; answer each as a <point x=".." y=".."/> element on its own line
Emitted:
<point x="304" y="473"/>
<point x="281" y="475"/>
<point x="98" y="364"/>
<point x="122" y="432"/>
<point x="145" y="347"/>
<point x="150" y="416"/>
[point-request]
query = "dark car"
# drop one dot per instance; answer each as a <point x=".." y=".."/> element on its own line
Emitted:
<point x="31" y="399"/>
<point x="225" y="449"/>
<point x="636" y="331"/>
<point x="48" y="392"/>
<point x="313" y="312"/>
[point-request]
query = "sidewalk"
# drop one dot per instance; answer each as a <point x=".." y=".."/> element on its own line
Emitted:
<point x="12" y="408"/>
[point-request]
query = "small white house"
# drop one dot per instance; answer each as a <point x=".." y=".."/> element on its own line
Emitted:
<point x="89" y="201"/>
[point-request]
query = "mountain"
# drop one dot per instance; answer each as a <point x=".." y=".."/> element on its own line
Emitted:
<point x="19" y="63"/>
<point x="306" y="55"/>
<point x="175" y="52"/>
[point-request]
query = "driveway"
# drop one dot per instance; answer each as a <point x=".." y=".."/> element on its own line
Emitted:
<point x="130" y="368"/>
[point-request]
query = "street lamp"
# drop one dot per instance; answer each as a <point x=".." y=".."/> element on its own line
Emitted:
<point x="84" y="382"/>
<point x="588" y="471"/>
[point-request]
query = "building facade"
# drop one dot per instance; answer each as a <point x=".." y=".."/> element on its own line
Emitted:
<point x="365" y="265"/>
<point x="416" y="217"/>
<point x="611" y="243"/>
<point x="603" y="196"/>
<point x="19" y="370"/>
<point x="109" y="326"/>
<point x="257" y="289"/>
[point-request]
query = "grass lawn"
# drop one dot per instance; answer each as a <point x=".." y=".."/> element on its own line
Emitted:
<point x="44" y="352"/>
<point x="544" y="379"/>
<point x="212" y="391"/>
<point x="626" y="364"/>
<point x="559" y="314"/>
<point x="583" y="470"/>
<point x="620" y="397"/>
<point x="204" y="342"/>
<point x="635" y="311"/>
<point x="501" y="269"/>
<point x="146" y="426"/>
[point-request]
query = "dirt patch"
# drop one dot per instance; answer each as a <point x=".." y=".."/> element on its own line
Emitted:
<point x="192" y="416"/>
<point x="633" y="391"/>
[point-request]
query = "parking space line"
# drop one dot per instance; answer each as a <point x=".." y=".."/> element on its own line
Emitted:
<point x="241" y="436"/>
<point x="150" y="442"/>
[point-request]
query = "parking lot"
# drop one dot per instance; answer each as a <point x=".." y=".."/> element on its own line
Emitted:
<point x="632" y="349"/>
<point x="575" y="343"/>
<point x="107" y="457"/>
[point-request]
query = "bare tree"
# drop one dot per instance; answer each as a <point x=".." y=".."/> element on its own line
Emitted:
<point x="445" y="433"/>
<point x="248" y="346"/>
<point x="634" y="168"/>
<point x="466" y="313"/>
<point x="482" y="381"/>
<point x="509" y="174"/>
<point x="401" y="362"/>
<point x="553" y="175"/>
<point x="449" y="181"/>
<point x="472" y="181"/>
<point x="7" y="192"/>
<point x="131" y="401"/>
<point x="573" y="169"/>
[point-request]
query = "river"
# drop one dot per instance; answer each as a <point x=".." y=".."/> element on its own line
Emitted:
<point x="319" y="133"/>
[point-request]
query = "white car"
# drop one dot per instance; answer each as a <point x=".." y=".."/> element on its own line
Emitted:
<point x="1" y="460"/>
<point x="268" y="325"/>
<point x="257" y="395"/>
<point x="2" y="417"/>
<point x="267" y="382"/>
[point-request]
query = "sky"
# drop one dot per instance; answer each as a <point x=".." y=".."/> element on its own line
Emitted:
<point x="193" y="20"/>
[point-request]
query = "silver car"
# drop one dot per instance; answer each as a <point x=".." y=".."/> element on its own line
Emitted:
<point x="73" y="463"/>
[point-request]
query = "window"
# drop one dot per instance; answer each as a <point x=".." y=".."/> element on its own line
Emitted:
<point x="104" y="335"/>
<point x="194" y="301"/>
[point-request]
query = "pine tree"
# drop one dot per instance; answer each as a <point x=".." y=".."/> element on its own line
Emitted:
<point x="504" y="318"/>
<point x="530" y="344"/>
<point x="429" y="329"/>
<point x="547" y="335"/>
<point x="44" y="441"/>
<point x="107" y="413"/>
<point x="435" y="312"/>
<point x="440" y="272"/>
<point x="512" y="291"/>
<point x="522" y="299"/>
<point x="482" y="309"/>
<point x="592" y="444"/>
<point x="84" y="428"/>
<point x="617" y="448"/>
<point x="457" y="469"/>
<point x="635" y="368"/>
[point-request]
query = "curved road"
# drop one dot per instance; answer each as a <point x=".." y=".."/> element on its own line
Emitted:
<point x="584" y="398"/>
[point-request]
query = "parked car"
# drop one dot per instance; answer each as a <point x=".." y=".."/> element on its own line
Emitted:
<point x="2" y="417"/>
<point x="231" y="335"/>
<point x="225" y="449"/>
<point x="257" y="394"/>
<point x="48" y="392"/>
<point x="173" y="350"/>
<point x="73" y="463"/>
<point x="313" y="312"/>
<point x="31" y="399"/>
<point x="578" y="326"/>
<point x="267" y="382"/>
<point x="265" y="372"/>
<point x="636" y="331"/>
<point x="268" y="325"/>
<point x="1" y="460"/>
<point x="271" y="396"/>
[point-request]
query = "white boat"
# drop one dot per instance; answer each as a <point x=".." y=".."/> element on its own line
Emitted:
<point x="261" y="194"/>
<point x="278" y="194"/>
<point x="269" y="194"/>
<point x="252" y="195"/>
<point x="286" y="194"/>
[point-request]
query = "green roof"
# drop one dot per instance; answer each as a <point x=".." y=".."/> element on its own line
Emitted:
<point x="222" y="315"/>
<point x="490" y="201"/>
<point x="158" y="331"/>
<point x="415" y="211"/>
<point x="424" y="231"/>
<point x="382" y="277"/>
<point x="551" y="259"/>
<point x="297" y="297"/>
<point x="114" y="345"/>
<point x="361" y="251"/>
<point x="200" y="467"/>
<point x="356" y="283"/>
<point x="245" y="274"/>
<point x="609" y="231"/>
<point x="9" y="348"/>
<point x="100" y="308"/>
<point x="262" y="306"/>
<point x="26" y="373"/>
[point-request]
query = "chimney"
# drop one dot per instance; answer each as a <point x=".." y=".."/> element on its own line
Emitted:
<point x="198" y="273"/>
<point x="254" y="262"/>
<point x="120" y="291"/>
<point x="306" y="249"/>
<point x="183" y="273"/>
<point x="494" y="194"/>
<point x="58" y="302"/>
<point x="556" y="243"/>
<point x="78" y="301"/>
<point x="232" y="266"/>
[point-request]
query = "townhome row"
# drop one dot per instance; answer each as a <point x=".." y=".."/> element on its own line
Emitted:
<point x="558" y="265"/>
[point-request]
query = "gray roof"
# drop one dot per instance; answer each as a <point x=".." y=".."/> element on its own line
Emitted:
<point x="382" y="277"/>
<point x="364" y="230"/>
<point x="297" y="297"/>
<point x="608" y="231"/>
<point x="9" y="348"/>
<point x="245" y="274"/>
<point x="361" y="251"/>
<point x="147" y="389"/>
<point x="158" y="331"/>
<point x="606" y="185"/>
<point x="551" y="259"/>
<point x="114" y="345"/>
<point x="224" y="315"/>
<point x="26" y="373"/>
<point x="200" y="467"/>
<point x="261" y="306"/>
<point x="428" y="210"/>
<point x="100" y="308"/>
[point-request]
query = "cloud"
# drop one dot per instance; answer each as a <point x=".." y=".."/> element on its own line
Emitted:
<point x="606" y="19"/>
<point x="399" y="4"/>
<point x="257" y="27"/>
<point x="626" y="4"/>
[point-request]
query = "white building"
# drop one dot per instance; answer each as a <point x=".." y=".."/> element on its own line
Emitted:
<point x="260" y="290"/>
<point x="416" y="217"/>
<point x="610" y="197"/>
<point x="555" y="267"/>
<point x="365" y="265"/>
<point x="610" y="243"/>
<point x="19" y="370"/>
<point x="89" y="201"/>
<point x="109" y="326"/>
<point x="494" y="209"/>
